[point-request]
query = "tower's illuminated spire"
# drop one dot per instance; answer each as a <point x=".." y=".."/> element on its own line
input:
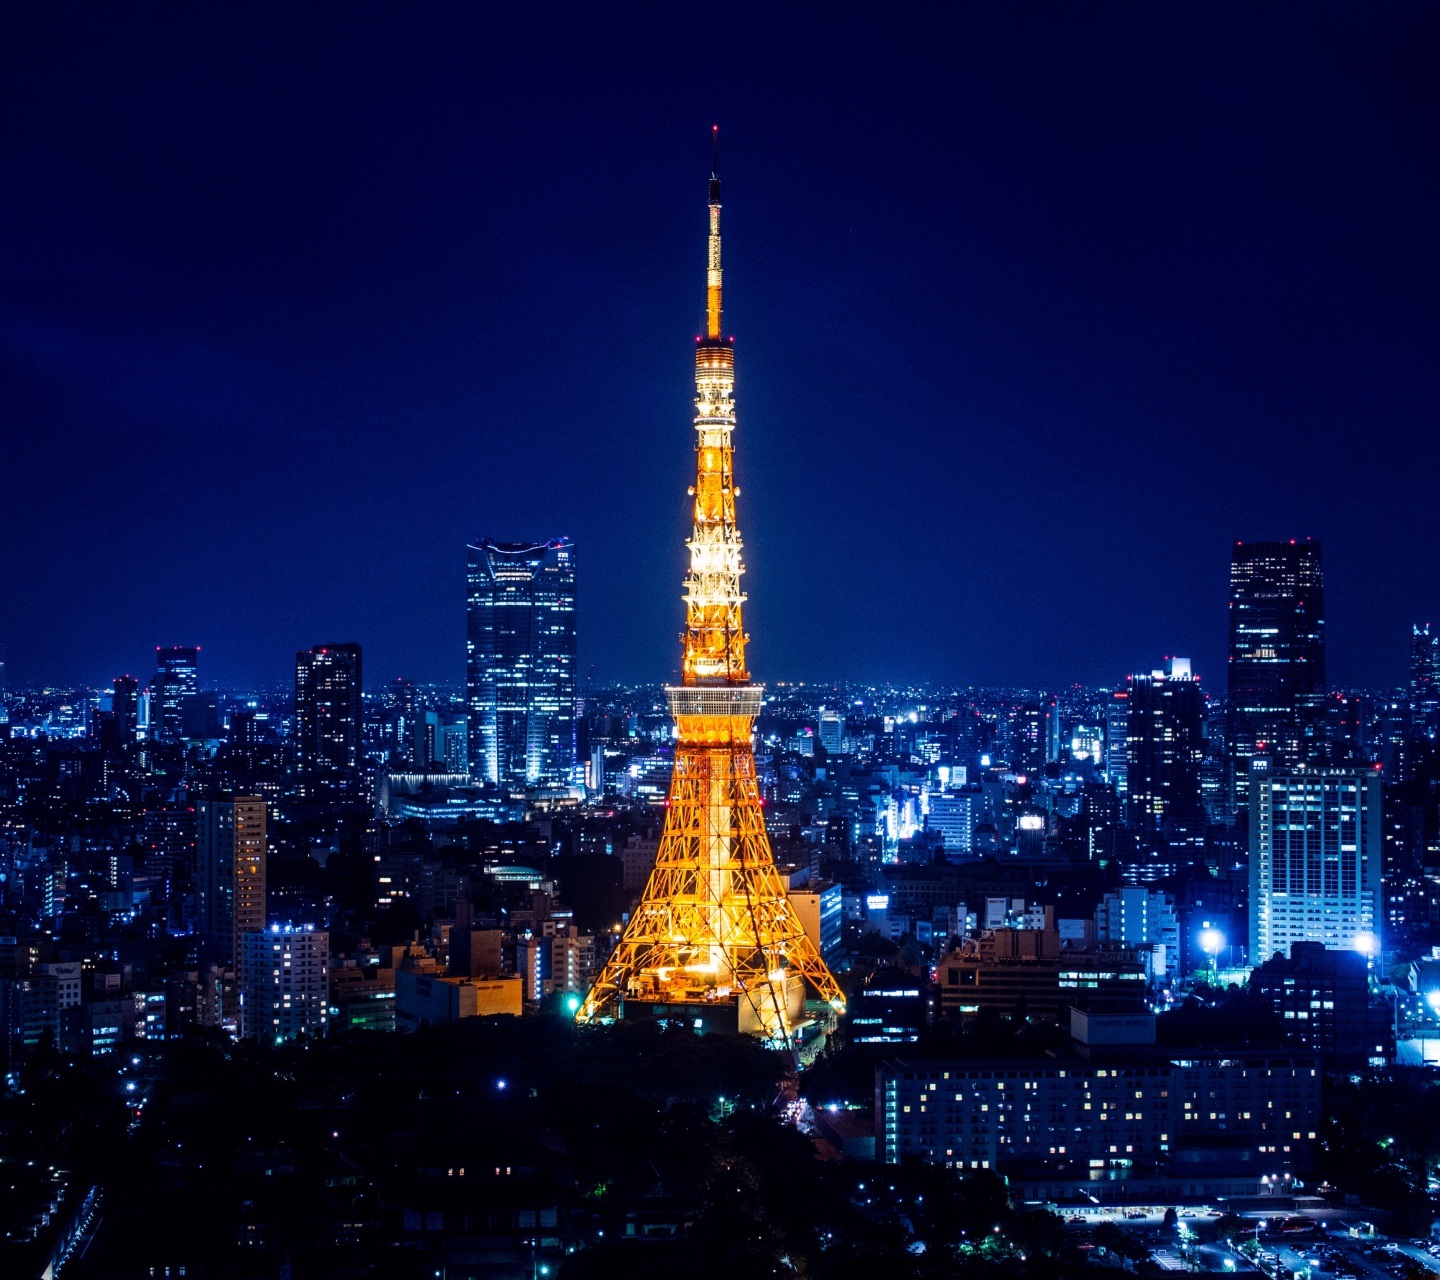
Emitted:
<point x="712" y="277"/>
<point x="714" y="639"/>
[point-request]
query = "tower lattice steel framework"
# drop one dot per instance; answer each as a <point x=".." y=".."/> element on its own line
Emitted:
<point x="715" y="927"/>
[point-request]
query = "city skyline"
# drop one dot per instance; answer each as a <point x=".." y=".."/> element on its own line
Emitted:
<point x="1088" y="347"/>
<point x="1027" y="860"/>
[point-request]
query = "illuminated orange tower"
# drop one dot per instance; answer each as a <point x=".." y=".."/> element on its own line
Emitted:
<point x="715" y="937"/>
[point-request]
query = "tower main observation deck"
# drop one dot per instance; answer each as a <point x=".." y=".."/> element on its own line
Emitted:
<point x="715" y="937"/>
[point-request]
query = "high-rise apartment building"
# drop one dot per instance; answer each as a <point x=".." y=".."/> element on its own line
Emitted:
<point x="1277" y="649"/>
<point x="327" y="722"/>
<point x="284" y="976"/>
<point x="230" y="862"/>
<point x="520" y="663"/>
<point x="177" y="677"/>
<point x="1164" y="744"/>
<point x="1315" y="858"/>
<point x="830" y="729"/>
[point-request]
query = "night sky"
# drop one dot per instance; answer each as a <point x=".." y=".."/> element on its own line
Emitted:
<point x="1037" y="308"/>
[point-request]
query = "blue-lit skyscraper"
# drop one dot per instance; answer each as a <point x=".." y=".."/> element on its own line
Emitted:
<point x="520" y="662"/>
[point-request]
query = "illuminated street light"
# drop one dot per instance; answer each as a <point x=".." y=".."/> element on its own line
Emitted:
<point x="1212" y="943"/>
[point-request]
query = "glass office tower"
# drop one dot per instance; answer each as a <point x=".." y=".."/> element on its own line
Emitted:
<point x="520" y="662"/>
<point x="1277" y="650"/>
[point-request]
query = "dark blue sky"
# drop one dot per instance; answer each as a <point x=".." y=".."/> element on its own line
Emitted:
<point x="1038" y="306"/>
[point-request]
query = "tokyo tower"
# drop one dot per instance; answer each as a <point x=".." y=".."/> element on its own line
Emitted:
<point x="715" y="940"/>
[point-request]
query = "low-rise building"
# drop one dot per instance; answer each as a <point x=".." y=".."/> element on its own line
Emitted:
<point x="1135" y="1112"/>
<point x="1322" y="998"/>
<point x="423" y="999"/>
<point x="362" y="997"/>
<point x="1027" y="973"/>
<point x="888" y="1006"/>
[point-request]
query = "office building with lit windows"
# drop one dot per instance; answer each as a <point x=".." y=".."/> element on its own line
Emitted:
<point x="230" y="860"/>
<point x="1425" y="683"/>
<point x="327" y="722"/>
<point x="1277" y="649"/>
<point x="1117" y="725"/>
<point x="177" y="677"/>
<point x="1135" y="916"/>
<point x="951" y="814"/>
<point x="1164" y="747"/>
<point x="520" y="662"/>
<point x="1315" y="859"/>
<point x="284" y="974"/>
<point x="1030" y="738"/>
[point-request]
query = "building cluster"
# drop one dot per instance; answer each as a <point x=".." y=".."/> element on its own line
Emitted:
<point x="1004" y="847"/>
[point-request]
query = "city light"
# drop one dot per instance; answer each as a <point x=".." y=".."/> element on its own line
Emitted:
<point x="1024" y="889"/>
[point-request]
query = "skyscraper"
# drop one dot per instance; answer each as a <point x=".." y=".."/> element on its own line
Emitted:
<point x="520" y="662"/>
<point x="715" y="939"/>
<point x="230" y="859"/>
<point x="1315" y="858"/>
<point x="1164" y="747"/>
<point x="327" y="722"/>
<point x="1117" y="721"/>
<point x="177" y="676"/>
<point x="1424" y="683"/>
<point x="1277" y="649"/>
<point x="1030" y="738"/>
<point x="126" y="705"/>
